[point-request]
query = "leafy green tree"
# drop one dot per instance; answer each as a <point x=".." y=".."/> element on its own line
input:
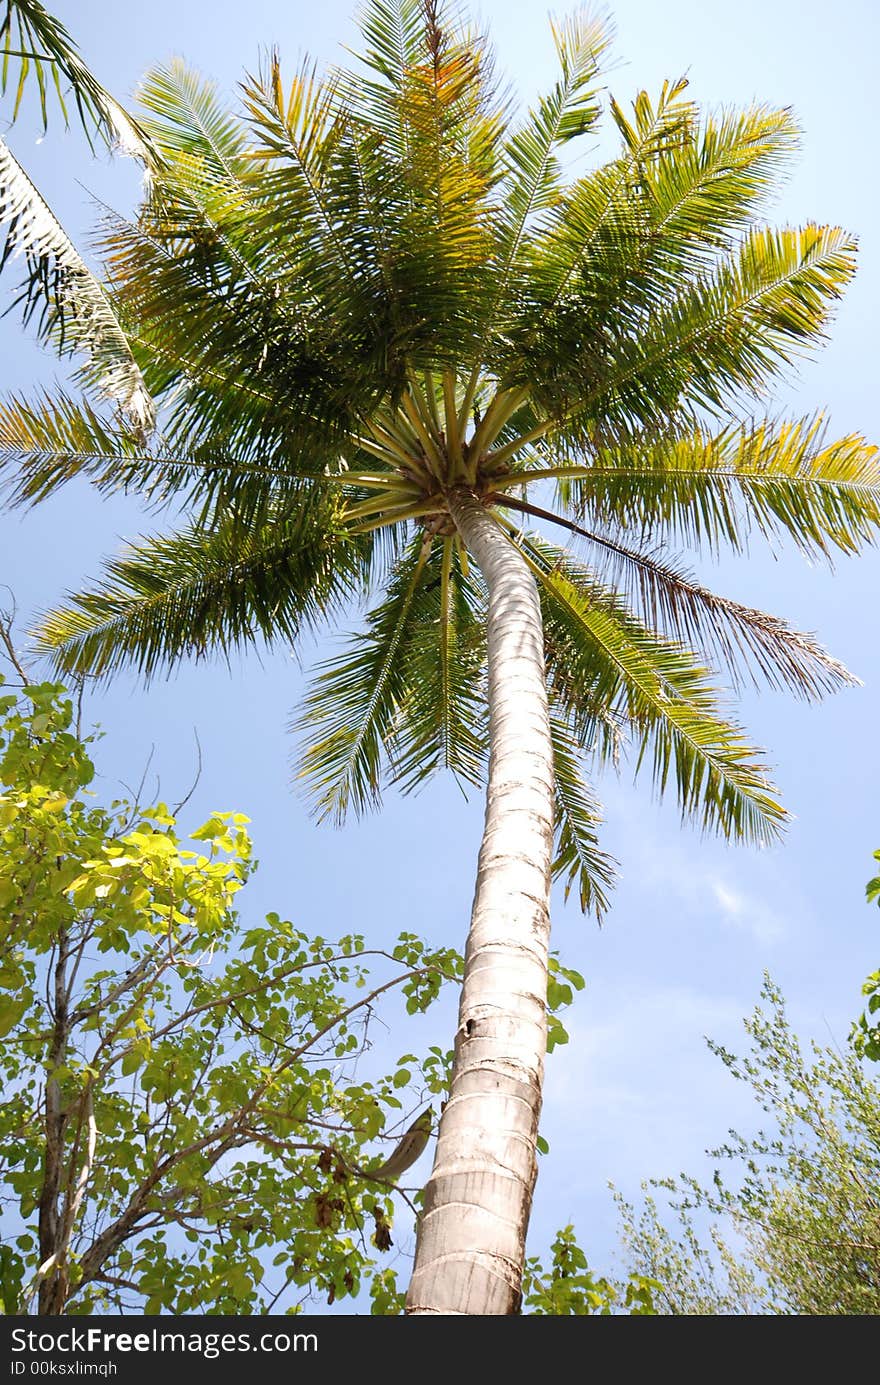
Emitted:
<point x="392" y="341"/>
<point x="564" y="1287"/>
<point x="696" y="1270"/>
<point x="866" y="1034"/>
<point x="181" y="1123"/>
<point x="570" y="1289"/>
<point x="802" y="1197"/>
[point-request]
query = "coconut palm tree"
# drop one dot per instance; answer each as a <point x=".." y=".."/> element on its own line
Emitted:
<point x="57" y="291"/>
<point x="395" y="346"/>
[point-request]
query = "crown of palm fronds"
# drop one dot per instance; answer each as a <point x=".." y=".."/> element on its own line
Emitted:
<point x="367" y="289"/>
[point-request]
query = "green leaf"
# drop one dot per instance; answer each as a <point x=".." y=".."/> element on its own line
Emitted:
<point x="131" y="1062"/>
<point x="11" y="1010"/>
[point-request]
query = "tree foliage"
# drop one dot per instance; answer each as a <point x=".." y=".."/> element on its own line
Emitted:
<point x="795" y="1224"/>
<point x="568" y="1288"/>
<point x="183" y="1118"/>
<point x="866" y="1033"/>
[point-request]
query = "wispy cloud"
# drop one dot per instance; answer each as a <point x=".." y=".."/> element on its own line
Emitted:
<point x="745" y="911"/>
<point x="706" y="888"/>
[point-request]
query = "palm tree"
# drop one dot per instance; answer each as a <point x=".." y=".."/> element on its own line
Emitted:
<point x="58" y="292"/>
<point x="393" y="346"/>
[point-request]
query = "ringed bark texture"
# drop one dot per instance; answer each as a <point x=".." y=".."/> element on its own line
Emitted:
<point x="471" y="1239"/>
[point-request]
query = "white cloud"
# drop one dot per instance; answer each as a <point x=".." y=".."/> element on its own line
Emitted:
<point x="708" y="891"/>
<point x="746" y="912"/>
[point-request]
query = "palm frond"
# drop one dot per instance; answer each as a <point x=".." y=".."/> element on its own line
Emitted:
<point x="424" y="130"/>
<point x="625" y="238"/>
<point x="726" y="334"/>
<point x="297" y="133"/>
<point x="599" y="654"/>
<point x="238" y="365"/>
<point x="45" y="443"/>
<point x="258" y="317"/>
<point x="703" y="191"/>
<point x="599" y="215"/>
<point x="781" y="480"/>
<point x="46" y="52"/>
<point x="203" y="341"/>
<point x="394" y="44"/>
<point x="533" y="175"/>
<point x="68" y="304"/>
<point x="208" y="589"/>
<point x="350" y="711"/>
<point x="742" y="640"/>
<point x="208" y="206"/>
<point x="441" y="722"/>
<point x="185" y="117"/>
<point x="207" y="193"/>
<point x="579" y="859"/>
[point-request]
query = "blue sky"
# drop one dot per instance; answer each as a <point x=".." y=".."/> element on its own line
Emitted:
<point x="694" y="924"/>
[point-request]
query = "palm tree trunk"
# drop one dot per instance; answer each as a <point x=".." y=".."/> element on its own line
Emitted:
<point x="471" y="1238"/>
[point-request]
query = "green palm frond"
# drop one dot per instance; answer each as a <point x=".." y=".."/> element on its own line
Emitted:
<point x="424" y="130"/>
<point x="229" y="358"/>
<point x="350" y="711"/>
<point x="706" y="189"/>
<point x="214" y="344"/>
<point x="208" y="589"/>
<point x="185" y="117"/>
<point x="357" y="248"/>
<point x="44" y="50"/>
<point x="298" y="133"/>
<point x="598" y="654"/>
<point x="533" y="175"/>
<point x="781" y="480"/>
<point x="741" y="639"/>
<point x="394" y="40"/>
<point x="429" y="92"/>
<point x="729" y="333"/>
<point x="441" y="722"/>
<point x="622" y="238"/>
<point x="251" y="258"/>
<point x="206" y="199"/>
<point x="599" y="215"/>
<point x="69" y="305"/>
<point x="46" y="442"/>
<point x="579" y="859"/>
<point x="625" y="238"/>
